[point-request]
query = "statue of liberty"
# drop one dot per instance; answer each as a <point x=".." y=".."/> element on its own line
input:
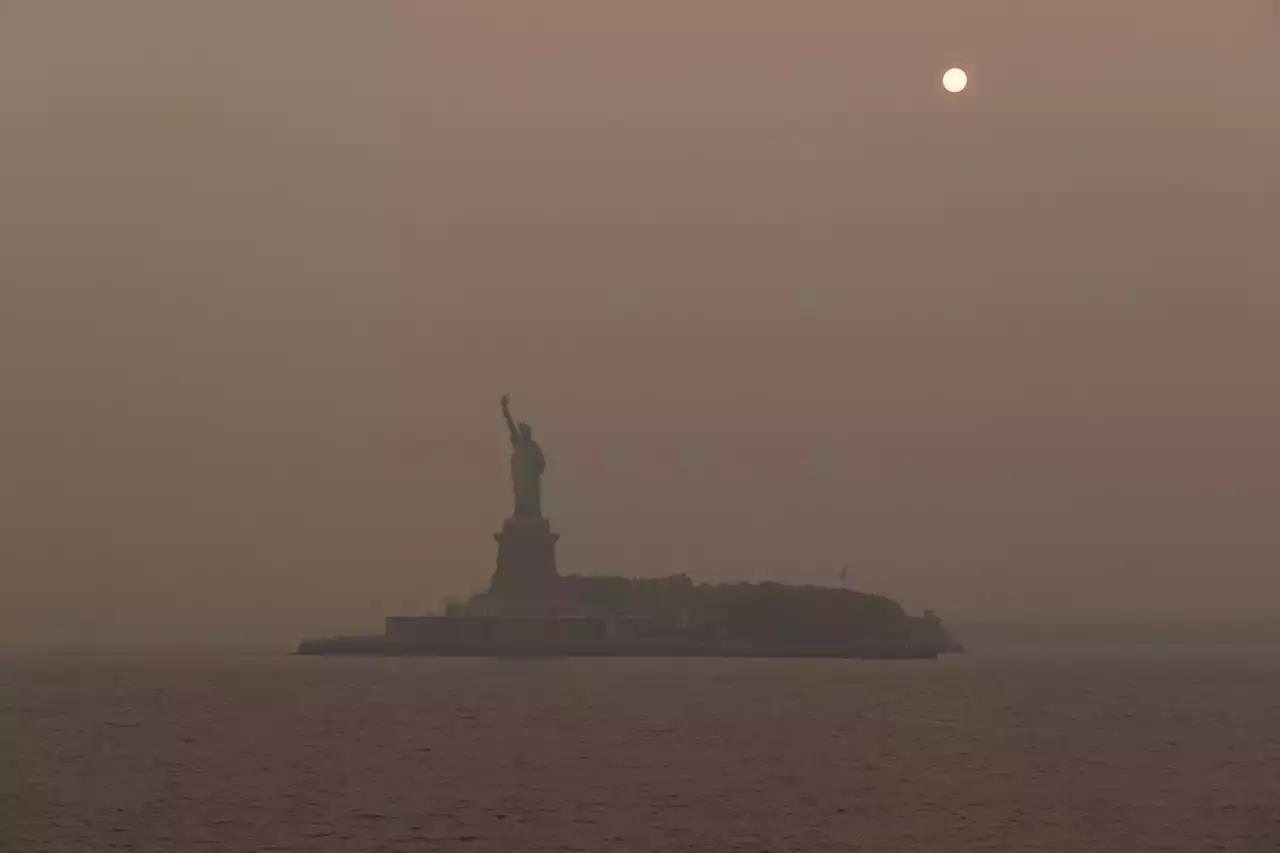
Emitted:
<point x="527" y="465"/>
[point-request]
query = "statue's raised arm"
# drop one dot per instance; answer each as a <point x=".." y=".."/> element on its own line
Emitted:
<point x="511" y="424"/>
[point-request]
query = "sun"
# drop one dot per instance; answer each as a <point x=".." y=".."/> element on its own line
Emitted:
<point x="955" y="80"/>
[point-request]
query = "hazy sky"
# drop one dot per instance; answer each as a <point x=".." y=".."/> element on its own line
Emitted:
<point x="773" y="301"/>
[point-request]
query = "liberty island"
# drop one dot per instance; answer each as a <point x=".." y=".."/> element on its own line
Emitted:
<point x="529" y="608"/>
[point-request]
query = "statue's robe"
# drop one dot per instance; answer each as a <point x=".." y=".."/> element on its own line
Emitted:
<point x="527" y="465"/>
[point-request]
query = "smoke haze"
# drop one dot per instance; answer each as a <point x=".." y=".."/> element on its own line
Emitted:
<point x="772" y="300"/>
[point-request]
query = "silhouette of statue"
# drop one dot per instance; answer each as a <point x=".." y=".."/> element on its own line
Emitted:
<point x="527" y="465"/>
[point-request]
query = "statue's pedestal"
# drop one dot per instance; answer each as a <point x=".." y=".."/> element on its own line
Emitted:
<point x="526" y="559"/>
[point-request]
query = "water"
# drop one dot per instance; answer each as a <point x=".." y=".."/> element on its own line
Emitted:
<point x="1105" y="750"/>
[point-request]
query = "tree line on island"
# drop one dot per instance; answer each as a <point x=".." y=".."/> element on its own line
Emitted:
<point x="765" y="612"/>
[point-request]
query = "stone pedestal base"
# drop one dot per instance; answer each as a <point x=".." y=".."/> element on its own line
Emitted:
<point x="526" y="559"/>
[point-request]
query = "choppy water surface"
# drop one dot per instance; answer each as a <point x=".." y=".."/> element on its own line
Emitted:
<point x="1124" y="751"/>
